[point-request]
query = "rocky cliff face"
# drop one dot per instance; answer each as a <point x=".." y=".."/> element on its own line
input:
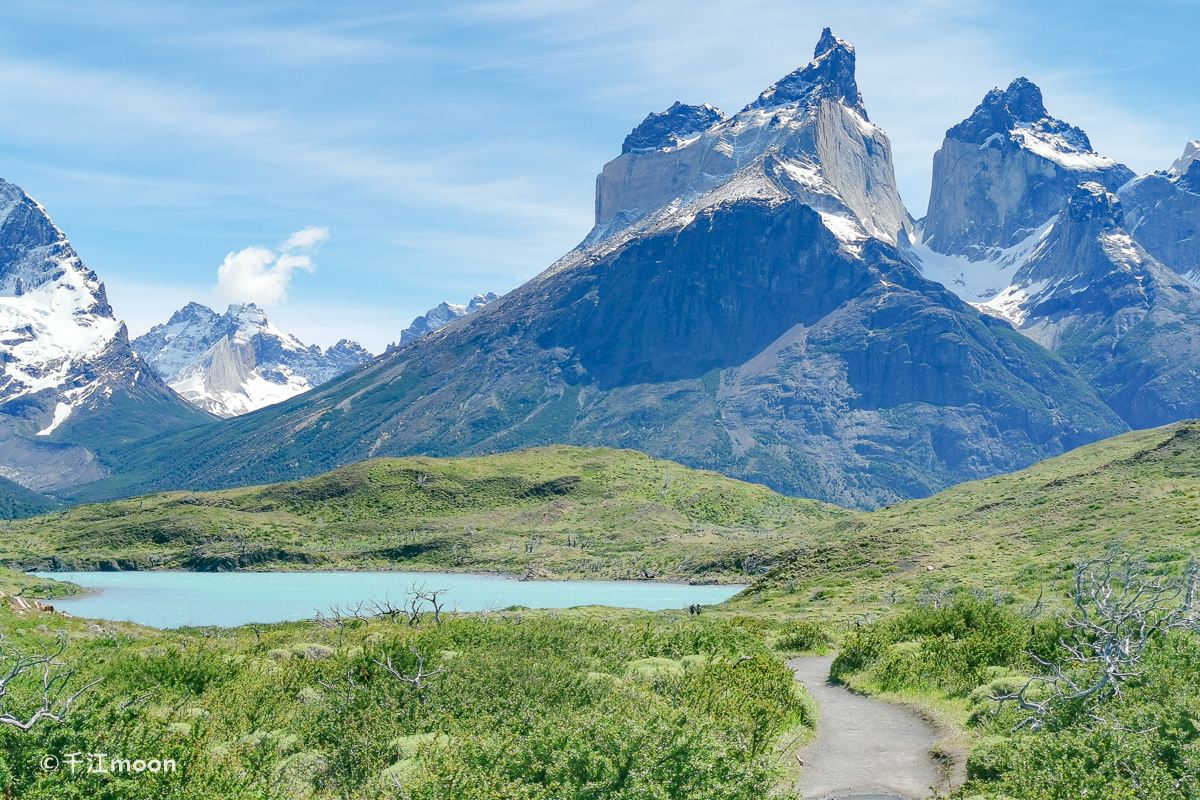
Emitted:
<point x="1162" y="211"/>
<point x="1005" y="170"/>
<point x="1123" y="320"/>
<point x="236" y="362"/>
<point x="812" y="123"/>
<point x="71" y="388"/>
<point x="1071" y="277"/>
<point x="741" y="305"/>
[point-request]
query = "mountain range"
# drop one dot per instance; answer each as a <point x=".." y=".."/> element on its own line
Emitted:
<point x="440" y="316"/>
<point x="239" y="361"/>
<point x="1024" y="221"/>
<point x="755" y="298"/>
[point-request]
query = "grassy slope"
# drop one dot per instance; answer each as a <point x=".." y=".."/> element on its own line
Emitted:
<point x="558" y="511"/>
<point x="1016" y="533"/>
<point x="16" y="501"/>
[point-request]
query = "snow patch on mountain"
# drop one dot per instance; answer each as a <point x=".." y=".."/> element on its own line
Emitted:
<point x="233" y="363"/>
<point x="987" y="282"/>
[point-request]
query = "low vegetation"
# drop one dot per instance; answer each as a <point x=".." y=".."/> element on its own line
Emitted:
<point x="1051" y="618"/>
<point x="498" y="706"/>
<point x="552" y="512"/>
<point x="1013" y="534"/>
<point x="1098" y="700"/>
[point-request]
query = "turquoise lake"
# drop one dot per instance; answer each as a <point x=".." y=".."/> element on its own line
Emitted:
<point x="173" y="599"/>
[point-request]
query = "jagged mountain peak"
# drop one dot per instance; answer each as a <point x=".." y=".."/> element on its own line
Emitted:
<point x="192" y="311"/>
<point x="440" y="316"/>
<point x="670" y="128"/>
<point x="1183" y="164"/>
<point x="1007" y="169"/>
<point x="830" y="75"/>
<point x="807" y="137"/>
<point x="1018" y="113"/>
<point x="1004" y="109"/>
<point x="232" y="363"/>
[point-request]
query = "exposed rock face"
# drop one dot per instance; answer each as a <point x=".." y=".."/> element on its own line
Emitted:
<point x="1127" y="323"/>
<point x="670" y="128"/>
<point x="754" y="318"/>
<point x="1070" y="277"/>
<point x="1005" y="170"/>
<point x="236" y="362"/>
<point x="812" y="122"/>
<point x="440" y="316"/>
<point x="70" y="386"/>
<point x="1162" y="211"/>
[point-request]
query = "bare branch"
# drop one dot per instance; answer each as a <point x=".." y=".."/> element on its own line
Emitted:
<point x="1118" y="608"/>
<point x="52" y="675"/>
<point x="415" y="679"/>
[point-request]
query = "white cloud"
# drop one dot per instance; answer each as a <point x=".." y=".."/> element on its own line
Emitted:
<point x="260" y="275"/>
<point x="306" y="239"/>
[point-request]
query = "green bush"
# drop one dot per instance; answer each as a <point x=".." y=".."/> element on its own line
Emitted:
<point x="804" y="637"/>
<point x="505" y="709"/>
<point x="953" y="648"/>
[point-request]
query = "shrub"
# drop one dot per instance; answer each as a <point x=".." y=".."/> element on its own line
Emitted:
<point x="804" y="637"/>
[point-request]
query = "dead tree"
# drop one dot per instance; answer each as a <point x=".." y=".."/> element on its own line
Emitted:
<point x="337" y="618"/>
<point x="386" y="608"/>
<point x="52" y="678"/>
<point x="1118" y="609"/>
<point x="414" y="679"/>
<point x="434" y="598"/>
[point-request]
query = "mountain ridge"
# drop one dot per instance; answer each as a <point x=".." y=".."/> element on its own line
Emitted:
<point x="740" y="305"/>
<point x="232" y="363"/>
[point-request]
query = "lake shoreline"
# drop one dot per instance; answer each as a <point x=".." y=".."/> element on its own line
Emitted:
<point x="180" y="598"/>
<point x="78" y="591"/>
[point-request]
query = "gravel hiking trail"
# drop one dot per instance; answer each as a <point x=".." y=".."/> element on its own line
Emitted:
<point x="864" y="748"/>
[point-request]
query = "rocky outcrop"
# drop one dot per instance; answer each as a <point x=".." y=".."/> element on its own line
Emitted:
<point x="1162" y="211"/>
<point x="671" y="128"/>
<point x="1005" y="170"/>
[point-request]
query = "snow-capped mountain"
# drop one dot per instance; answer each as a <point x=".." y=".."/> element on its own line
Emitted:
<point x="741" y="304"/>
<point x="1162" y="210"/>
<point x="440" y="316"/>
<point x="69" y="382"/>
<point x="806" y="137"/>
<point x="1024" y="223"/>
<point x="1004" y="171"/>
<point x="232" y="363"/>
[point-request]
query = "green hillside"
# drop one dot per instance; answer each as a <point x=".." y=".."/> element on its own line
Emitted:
<point x="550" y="512"/>
<point x="16" y="501"/>
<point x="1016" y="533"/>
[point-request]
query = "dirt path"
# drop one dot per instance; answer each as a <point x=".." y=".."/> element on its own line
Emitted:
<point x="863" y="748"/>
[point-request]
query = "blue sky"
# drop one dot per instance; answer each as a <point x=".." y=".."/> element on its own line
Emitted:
<point x="451" y="148"/>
